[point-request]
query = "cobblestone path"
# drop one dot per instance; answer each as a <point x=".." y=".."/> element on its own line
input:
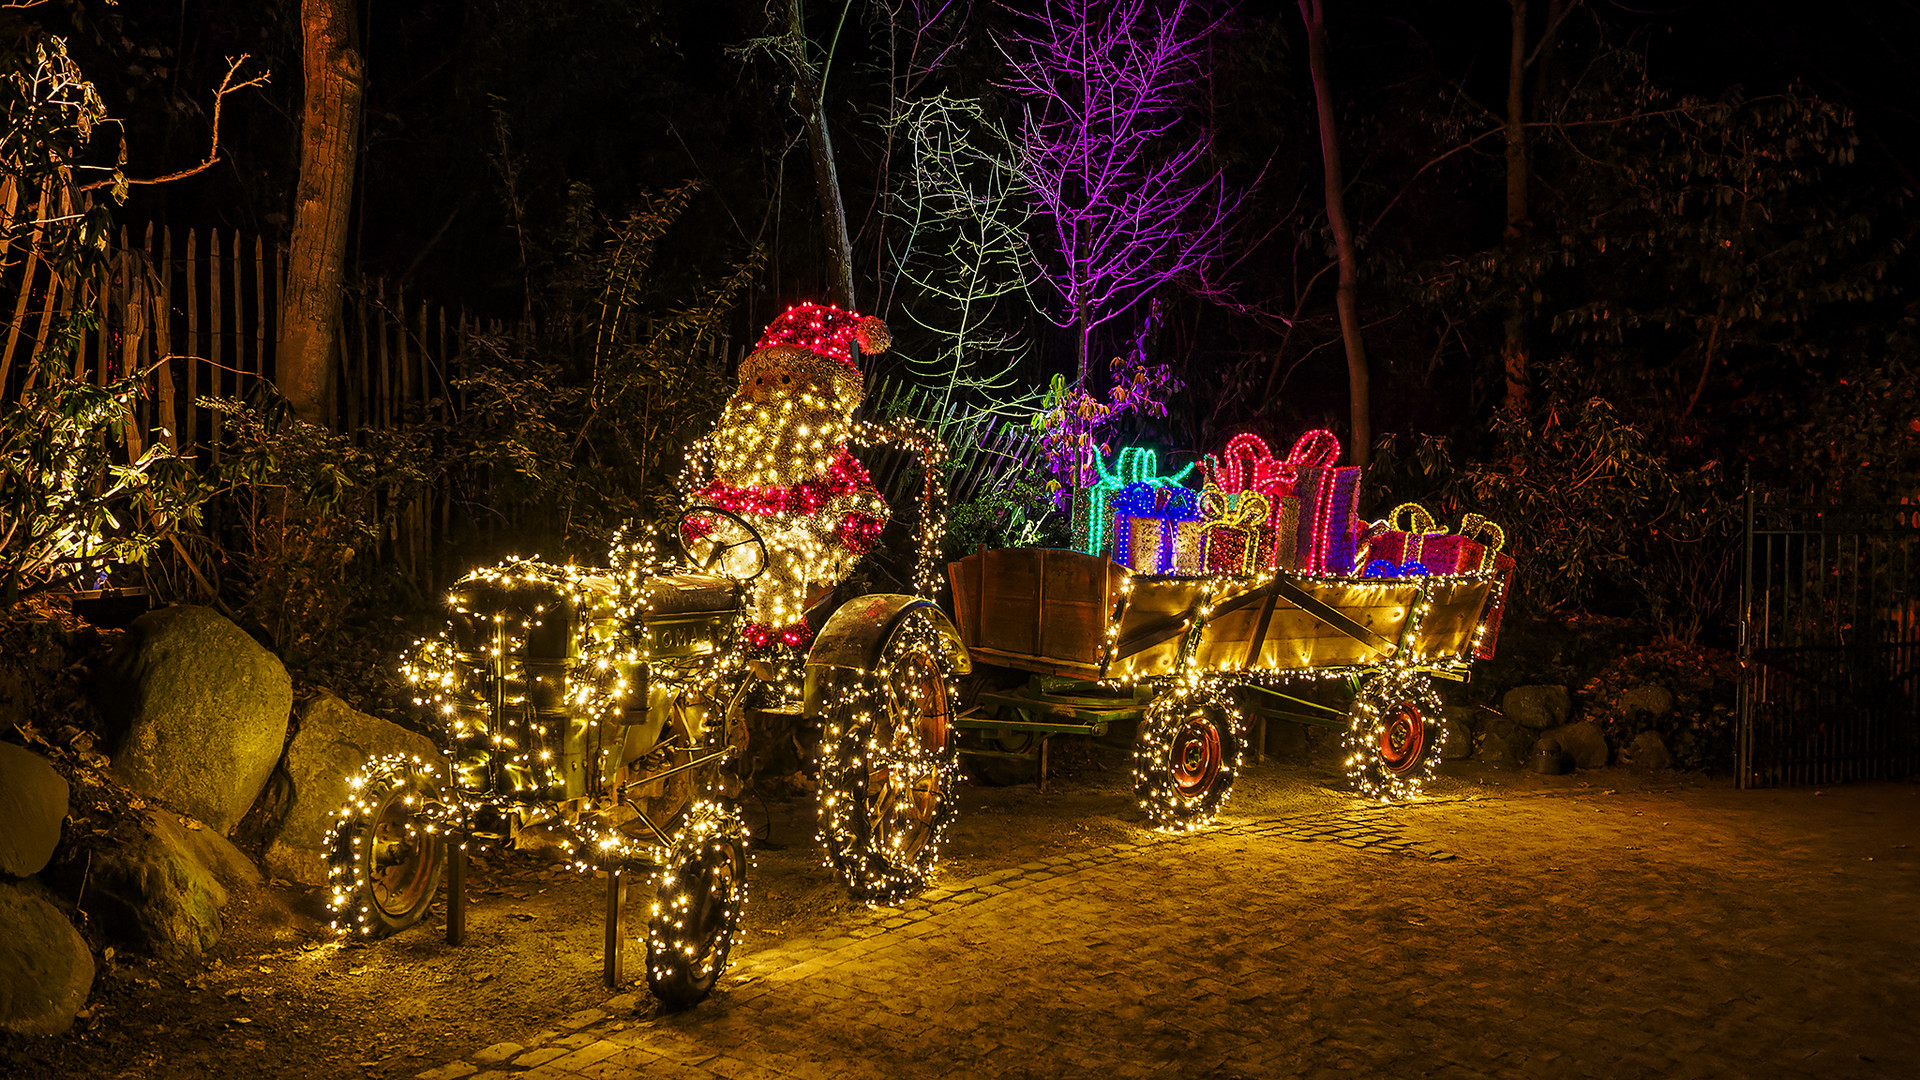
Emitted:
<point x="1548" y="936"/>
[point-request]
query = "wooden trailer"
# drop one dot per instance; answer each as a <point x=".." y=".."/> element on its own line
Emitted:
<point x="1194" y="660"/>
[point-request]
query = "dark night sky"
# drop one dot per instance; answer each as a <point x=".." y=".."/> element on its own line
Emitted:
<point x="624" y="95"/>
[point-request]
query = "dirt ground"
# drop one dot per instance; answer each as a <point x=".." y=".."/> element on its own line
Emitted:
<point x="280" y="997"/>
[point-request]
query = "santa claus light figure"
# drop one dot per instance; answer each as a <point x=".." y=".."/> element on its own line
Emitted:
<point x="779" y="461"/>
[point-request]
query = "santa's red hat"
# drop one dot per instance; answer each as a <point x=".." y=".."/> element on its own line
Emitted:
<point x="815" y="340"/>
<point x="827" y="330"/>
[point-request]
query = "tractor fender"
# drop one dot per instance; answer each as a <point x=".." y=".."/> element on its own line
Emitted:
<point x="855" y="635"/>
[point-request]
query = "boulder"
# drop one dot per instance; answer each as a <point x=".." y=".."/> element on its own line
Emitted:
<point x="1652" y="698"/>
<point x="1584" y="741"/>
<point x="163" y="888"/>
<point x="46" y="969"/>
<point x="1649" y="751"/>
<point x="334" y="742"/>
<point x="1504" y="743"/>
<point x="200" y="711"/>
<point x="33" y="803"/>
<point x="1537" y="707"/>
<point x="1549" y="757"/>
<point x="1453" y="738"/>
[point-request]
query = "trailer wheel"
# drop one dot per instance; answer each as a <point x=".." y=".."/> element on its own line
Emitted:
<point x="1185" y="758"/>
<point x="389" y="848"/>
<point x="888" y="762"/>
<point x="1390" y="751"/>
<point x="696" y="908"/>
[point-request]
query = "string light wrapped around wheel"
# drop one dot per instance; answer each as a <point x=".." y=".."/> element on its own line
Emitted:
<point x="1390" y="751"/>
<point x="698" y="899"/>
<point x="888" y="762"/>
<point x="1185" y="756"/>
<point x="389" y="847"/>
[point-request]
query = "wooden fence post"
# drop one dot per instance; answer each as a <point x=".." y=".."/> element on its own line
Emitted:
<point x="191" y="353"/>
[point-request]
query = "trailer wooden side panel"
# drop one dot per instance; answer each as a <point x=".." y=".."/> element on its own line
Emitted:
<point x="1039" y="609"/>
<point x="1048" y="610"/>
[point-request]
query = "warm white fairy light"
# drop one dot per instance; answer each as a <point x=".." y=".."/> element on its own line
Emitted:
<point x="1187" y="753"/>
<point x="700" y="892"/>
<point x="887" y="763"/>
<point x="363" y="832"/>
<point x="543" y="667"/>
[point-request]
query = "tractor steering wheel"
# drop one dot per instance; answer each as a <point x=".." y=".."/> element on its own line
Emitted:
<point x="716" y="541"/>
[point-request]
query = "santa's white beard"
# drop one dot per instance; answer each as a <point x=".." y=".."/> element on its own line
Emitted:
<point x="762" y="444"/>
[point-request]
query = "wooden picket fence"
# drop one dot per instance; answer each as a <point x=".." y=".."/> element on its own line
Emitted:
<point x="201" y="308"/>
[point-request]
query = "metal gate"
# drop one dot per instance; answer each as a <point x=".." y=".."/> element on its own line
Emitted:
<point x="1829" y="644"/>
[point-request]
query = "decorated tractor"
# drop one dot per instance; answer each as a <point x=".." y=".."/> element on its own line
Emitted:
<point x="603" y="713"/>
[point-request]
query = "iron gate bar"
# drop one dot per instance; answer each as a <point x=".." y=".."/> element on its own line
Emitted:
<point x="1829" y="644"/>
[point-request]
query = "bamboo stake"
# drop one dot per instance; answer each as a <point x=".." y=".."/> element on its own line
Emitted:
<point x="193" y="344"/>
<point x="260" y="306"/>
<point x="442" y="364"/>
<point x="400" y="353"/>
<point x="167" y="391"/>
<point x="103" y="307"/>
<point x="363" y="392"/>
<point x="133" y="327"/>
<point x="20" y="302"/>
<point x="216" y="324"/>
<point x="380" y="343"/>
<point x="56" y="298"/>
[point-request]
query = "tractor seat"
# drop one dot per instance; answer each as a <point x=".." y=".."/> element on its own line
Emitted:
<point x="687" y="594"/>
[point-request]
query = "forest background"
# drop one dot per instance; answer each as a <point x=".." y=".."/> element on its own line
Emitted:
<point x="1607" y="267"/>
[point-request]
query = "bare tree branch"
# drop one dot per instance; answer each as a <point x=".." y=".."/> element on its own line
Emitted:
<point x="227" y="86"/>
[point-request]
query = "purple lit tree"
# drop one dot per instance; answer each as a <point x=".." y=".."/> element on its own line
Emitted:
<point x="1131" y="202"/>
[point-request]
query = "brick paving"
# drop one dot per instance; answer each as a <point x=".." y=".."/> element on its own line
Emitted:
<point x="1566" y="935"/>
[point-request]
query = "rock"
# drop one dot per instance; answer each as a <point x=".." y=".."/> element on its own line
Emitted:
<point x="46" y="969"/>
<point x="1649" y="751"/>
<point x="1471" y="718"/>
<point x="1453" y="738"/>
<point x="334" y="742"/>
<point x="1537" y="707"/>
<point x="33" y="803"/>
<point x="1653" y="699"/>
<point x="1585" y="742"/>
<point x="1503" y="743"/>
<point x="1548" y="757"/>
<point x="164" y="888"/>
<point x="201" y="711"/>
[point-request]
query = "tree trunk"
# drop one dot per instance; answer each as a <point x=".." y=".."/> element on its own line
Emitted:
<point x="1359" y="392"/>
<point x="1513" y="352"/>
<point x="826" y="178"/>
<point x="329" y="142"/>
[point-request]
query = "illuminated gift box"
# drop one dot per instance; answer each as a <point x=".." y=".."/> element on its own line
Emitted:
<point x="1399" y="541"/>
<point x="1232" y="530"/>
<point x="1328" y="536"/>
<point x="1095" y="533"/>
<point x="1472" y="549"/>
<point x="1146" y="517"/>
<point x="1326" y="532"/>
<point x="1190" y="548"/>
<point x="1503" y="565"/>
<point x="1247" y="464"/>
